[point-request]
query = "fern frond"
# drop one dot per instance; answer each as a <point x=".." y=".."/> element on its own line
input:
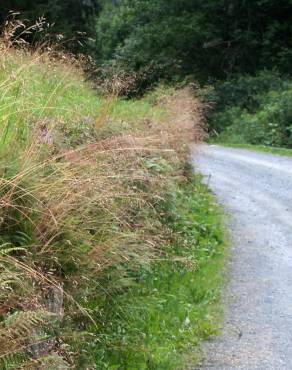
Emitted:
<point x="21" y="333"/>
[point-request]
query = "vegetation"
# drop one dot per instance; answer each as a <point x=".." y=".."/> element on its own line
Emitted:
<point x="111" y="252"/>
<point x="71" y="20"/>
<point x="259" y="148"/>
<point x="200" y="40"/>
<point x="176" y="304"/>
<point x="252" y="110"/>
<point x="241" y="48"/>
<point x="171" y="40"/>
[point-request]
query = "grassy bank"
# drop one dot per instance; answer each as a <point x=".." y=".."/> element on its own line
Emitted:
<point x="111" y="251"/>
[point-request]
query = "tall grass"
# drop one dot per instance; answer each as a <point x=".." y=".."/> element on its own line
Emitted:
<point x="81" y="180"/>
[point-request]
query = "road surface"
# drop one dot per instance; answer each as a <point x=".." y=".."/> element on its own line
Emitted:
<point x="256" y="190"/>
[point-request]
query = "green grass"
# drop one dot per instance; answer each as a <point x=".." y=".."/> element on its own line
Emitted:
<point x="176" y="304"/>
<point x="258" y="148"/>
<point x="38" y="91"/>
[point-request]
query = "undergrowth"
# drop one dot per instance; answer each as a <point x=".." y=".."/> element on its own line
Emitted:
<point x="252" y="110"/>
<point x="110" y="254"/>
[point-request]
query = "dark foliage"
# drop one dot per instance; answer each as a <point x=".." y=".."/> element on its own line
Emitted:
<point x="172" y="39"/>
<point x="253" y="109"/>
<point x="206" y="39"/>
<point x="74" y="19"/>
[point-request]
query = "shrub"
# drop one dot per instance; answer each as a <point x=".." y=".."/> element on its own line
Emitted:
<point x="253" y="110"/>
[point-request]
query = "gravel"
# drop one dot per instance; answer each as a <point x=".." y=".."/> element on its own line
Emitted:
<point x="256" y="190"/>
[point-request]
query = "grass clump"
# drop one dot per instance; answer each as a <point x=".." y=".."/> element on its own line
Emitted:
<point x="109" y="252"/>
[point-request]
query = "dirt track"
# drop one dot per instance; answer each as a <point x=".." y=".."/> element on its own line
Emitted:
<point x="256" y="190"/>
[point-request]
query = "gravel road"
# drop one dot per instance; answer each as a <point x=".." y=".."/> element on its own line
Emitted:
<point x="256" y="190"/>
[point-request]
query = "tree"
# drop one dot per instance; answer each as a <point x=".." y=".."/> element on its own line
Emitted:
<point x="204" y="38"/>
